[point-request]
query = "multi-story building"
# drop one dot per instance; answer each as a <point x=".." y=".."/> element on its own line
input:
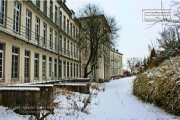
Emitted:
<point x="116" y="63"/>
<point x="104" y="65"/>
<point x="38" y="41"/>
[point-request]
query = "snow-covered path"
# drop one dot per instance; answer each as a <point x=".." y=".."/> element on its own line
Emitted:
<point x="118" y="103"/>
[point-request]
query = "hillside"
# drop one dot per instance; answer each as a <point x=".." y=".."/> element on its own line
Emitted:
<point x="161" y="85"/>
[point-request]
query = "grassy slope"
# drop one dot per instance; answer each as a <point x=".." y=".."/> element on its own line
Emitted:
<point x="160" y="86"/>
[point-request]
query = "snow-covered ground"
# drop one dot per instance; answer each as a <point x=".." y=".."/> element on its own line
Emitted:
<point x="118" y="103"/>
<point x="115" y="103"/>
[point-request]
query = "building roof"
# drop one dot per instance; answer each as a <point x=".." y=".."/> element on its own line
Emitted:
<point x="116" y="51"/>
<point x="68" y="11"/>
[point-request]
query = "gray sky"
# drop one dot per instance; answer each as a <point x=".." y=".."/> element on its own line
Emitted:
<point x="134" y="37"/>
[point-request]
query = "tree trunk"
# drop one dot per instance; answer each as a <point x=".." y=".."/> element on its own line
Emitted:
<point x="85" y="72"/>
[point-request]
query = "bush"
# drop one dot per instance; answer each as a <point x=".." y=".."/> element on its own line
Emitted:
<point x="158" y="86"/>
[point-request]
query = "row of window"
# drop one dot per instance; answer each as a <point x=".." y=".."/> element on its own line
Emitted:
<point x="68" y="68"/>
<point x="67" y="26"/>
<point x="68" y="47"/>
<point x="57" y="17"/>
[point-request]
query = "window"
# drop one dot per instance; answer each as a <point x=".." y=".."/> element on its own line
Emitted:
<point x="67" y="26"/>
<point x="37" y="24"/>
<point x="15" y="63"/>
<point x="74" y="70"/>
<point x="64" y="46"/>
<point x="28" y="23"/>
<point x="71" y="50"/>
<point x="71" y="69"/>
<point x="77" y="53"/>
<point x="36" y="65"/>
<point x="68" y="47"/>
<point x="45" y="7"/>
<point x="60" y="69"/>
<point x="1" y="61"/>
<point x="74" y="50"/>
<point x="68" y="69"/>
<point x="55" y="40"/>
<point x="77" y="70"/>
<point x="2" y="11"/>
<point x="64" y="26"/>
<point x="55" y="68"/>
<point x="16" y="24"/>
<point x="51" y="10"/>
<point x="43" y="66"/>
<point x="26" y="66"/>
<point x="44" y="33"/>
<point x="74" y="32"/>
<point x="60" y="16"/>
<point x="64" y="69"/>
<point x="71" y="29"/>
<point x="50" y="66"/>
<point x="38" y="3"/>
<point x="55" y="14"/>
<point x="50" y="37"/>
<point x="60" y="43"/>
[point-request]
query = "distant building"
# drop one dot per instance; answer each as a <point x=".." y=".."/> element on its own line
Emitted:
<point x="116" y="63"/>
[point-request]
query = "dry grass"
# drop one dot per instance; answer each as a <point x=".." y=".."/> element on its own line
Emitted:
<point x="160" y="88"/>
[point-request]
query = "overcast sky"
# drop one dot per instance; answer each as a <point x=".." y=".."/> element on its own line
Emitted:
<point x="134" y="36"/>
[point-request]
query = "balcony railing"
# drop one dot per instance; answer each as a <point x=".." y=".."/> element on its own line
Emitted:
<point x="50" y="15"/>
<point x="31" y="37"/>
<point x="69" y="54"/>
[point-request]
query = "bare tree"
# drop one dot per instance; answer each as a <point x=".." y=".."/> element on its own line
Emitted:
<point x="97" y="34"/>
<point x="132" y="62"/>
<point x="170" y="41"/>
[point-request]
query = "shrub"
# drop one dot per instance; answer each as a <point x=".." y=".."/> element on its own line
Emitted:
<point x="158" y="86"/>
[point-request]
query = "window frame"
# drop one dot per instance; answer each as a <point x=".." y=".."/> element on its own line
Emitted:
<point x="67" y="69"/>
<point x="64" y="67"/>
<point x="28" y="27"/>
<point x="60" y="17"/>
<point x="17" y="22"/>
<point x="37" y="30"/>
<point x="64" y="24"/>
<point x="50" y="38"/>
<point x="43" y="66"/>
<point x="16" y="56"/>
<point x="3" y="12"/>
<point x="64" y="46"/>
<point x="55" y="68"/>
<point x="44" y="33"/>
<point x="51" y="10"/>
<point x="2" y="61"/>
<point x="27" y="60"/>
<point x="55" y="41"/>
<point x="55" y="14"/>
<point x="36" y="67"/>
<point x="50" y="67"/>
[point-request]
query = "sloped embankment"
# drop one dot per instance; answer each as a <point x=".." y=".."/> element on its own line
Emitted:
<point x="161" y="85"/>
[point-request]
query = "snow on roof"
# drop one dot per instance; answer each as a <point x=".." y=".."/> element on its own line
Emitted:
<point x="32" y="85"/>
<point x="73" y="84"/>
<point x="20" y="88"/>
<point x="76" y="79"/>
<point x="82" y="78"/>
